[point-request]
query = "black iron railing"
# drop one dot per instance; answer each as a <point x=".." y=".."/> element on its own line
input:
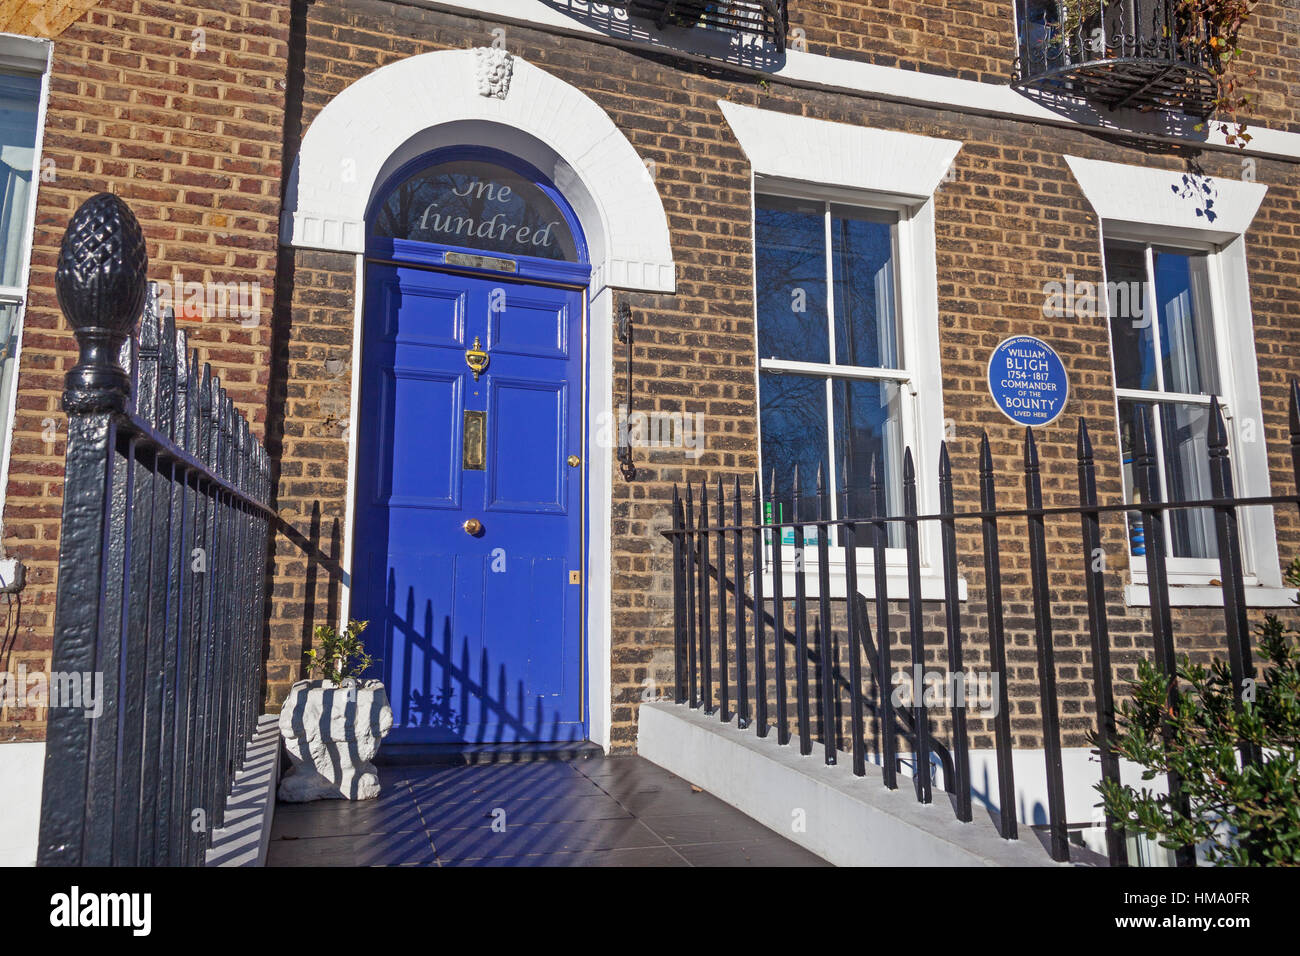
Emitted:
<point x="770" y="651"/>
<point x="765" y="20"/>
<point x="162" y="565"/>
<point x="1144" y="54"/>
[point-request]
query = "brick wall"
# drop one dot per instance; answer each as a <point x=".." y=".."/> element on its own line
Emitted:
<point x="1011" y="220"/>
<point x="178" y="109"/>
<point x="192" y="139"/>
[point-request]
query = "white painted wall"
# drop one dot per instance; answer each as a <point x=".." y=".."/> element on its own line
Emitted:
<point x="22" y="768"/>
<point x="847" y="820"/>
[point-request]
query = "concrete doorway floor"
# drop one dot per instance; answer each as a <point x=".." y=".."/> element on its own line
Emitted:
<point x="611" y="811"/>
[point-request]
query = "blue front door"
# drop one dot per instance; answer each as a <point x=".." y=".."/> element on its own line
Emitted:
<point x="468" y="556"/>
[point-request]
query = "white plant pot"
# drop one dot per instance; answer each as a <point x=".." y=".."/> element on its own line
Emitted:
<point x="332" y="734"/>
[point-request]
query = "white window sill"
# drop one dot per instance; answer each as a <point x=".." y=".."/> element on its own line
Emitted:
<point x="895" y="583"/>
<point x="1209" y="595"/>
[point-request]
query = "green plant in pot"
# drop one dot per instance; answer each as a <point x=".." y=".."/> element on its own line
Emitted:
<point x="332" y="726"/>
<point x="339" y="657"/>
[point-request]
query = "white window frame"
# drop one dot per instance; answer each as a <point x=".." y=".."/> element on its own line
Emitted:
<point x="920" y="383"/>
<point x="1182" y="570"/>
<point x="857" y="165"/>
<point x="32" y="56"/>
<point x="1190" y="578"/>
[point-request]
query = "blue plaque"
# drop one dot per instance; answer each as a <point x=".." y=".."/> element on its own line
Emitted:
<point x="1027" y="380"/>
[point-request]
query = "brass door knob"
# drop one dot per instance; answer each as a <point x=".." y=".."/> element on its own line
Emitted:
<point x="574" y="461"/>
<point x="473" y="526"/>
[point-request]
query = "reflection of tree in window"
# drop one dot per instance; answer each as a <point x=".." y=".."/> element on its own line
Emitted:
<point x="790" y="271"/>
<point x="815" y="416"/>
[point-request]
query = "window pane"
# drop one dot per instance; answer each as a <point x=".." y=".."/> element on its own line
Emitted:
<point x="1183" y="453"/>
<point x="1131" y="337"/>
<point x="790" y="280"/>
<point x="1039" y="22"/>
<point x="19" y="97"/>
<point x="868" y="421"/>
<point x="1186" y="323"/>
<point x="793" y="409"/>
<point x="1187" y="478"/>
<point x="477" y="205"/>
<point x="862" y="254"/>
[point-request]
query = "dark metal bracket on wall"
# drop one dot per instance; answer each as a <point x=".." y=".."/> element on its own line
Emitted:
<point x="623" y="316"/>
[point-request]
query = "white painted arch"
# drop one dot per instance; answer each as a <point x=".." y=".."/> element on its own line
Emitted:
<point x="401" y="110"/>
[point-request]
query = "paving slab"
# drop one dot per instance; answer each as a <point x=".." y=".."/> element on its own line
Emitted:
<point x="597" y="812"/>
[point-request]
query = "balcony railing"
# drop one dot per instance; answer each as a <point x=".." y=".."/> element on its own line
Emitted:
<point x="764" y="20"/>
<point x="1141" y="54"/>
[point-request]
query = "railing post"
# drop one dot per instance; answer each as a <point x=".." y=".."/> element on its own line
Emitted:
<point x="706" y="620"/>
<point x="171" y="385"/>
<point x="692" y="614"/>
<point x="778" y="620"/>
<point x="1094" y="562"/>
<point x="1237" y="629"/>
<point x="1060" y="848"/>
<point x="724" y="670"/>
<point x="884" y="665"/>
<point x="1294" y="427"/>
<point x="829" y="723"/>
<point x="800" y="623"/>
<point x="182" y="611"/>
<point x="742" y="648"/>
<point x="760" y="628"/>
<point x="952" y="619"/>
<point x="920" y="713"/>
<point x="101" y="287"/>
<point x="679" y="600"/>
<point x="997" y="643"/>
<point x="1147" y="472"/>
<point x="849" y="541"/>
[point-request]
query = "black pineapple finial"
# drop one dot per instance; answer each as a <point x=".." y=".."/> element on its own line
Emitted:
<point x="101" y="283"/>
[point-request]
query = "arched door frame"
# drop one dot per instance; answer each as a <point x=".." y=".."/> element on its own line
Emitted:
<point x="414" y="106"/>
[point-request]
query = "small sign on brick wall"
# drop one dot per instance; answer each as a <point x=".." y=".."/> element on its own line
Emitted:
<point x="1027" y="380"/>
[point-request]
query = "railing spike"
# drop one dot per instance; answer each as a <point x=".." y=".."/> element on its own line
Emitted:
<point x="1085" y="443"/>
<point x="1295" y="408"/>
<point x="1295" y="431"/>
<point x="1217" y="433"/>
<point x="1031" y="450"/>
<point x="945" y="464"/>
<point x="1141" y="436"/>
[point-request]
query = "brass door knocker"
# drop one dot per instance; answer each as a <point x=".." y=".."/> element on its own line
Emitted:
<point x="476" y="359"/>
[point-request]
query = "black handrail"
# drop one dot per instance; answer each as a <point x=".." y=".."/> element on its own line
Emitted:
<point x="162" y="565"/>
<point x="698" y="566"/>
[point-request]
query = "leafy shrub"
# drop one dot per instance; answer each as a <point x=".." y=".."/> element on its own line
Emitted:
<point x="1240" y="814"/>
